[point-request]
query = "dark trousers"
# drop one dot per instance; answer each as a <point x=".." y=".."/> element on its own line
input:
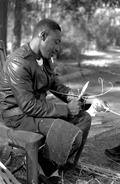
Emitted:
<point x="82" y="121"/>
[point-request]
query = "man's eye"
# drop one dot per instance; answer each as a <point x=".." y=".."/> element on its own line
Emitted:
<point x="57" y="41"/>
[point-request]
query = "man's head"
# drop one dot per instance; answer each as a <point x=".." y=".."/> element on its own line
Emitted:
<point x="47" y="38"/>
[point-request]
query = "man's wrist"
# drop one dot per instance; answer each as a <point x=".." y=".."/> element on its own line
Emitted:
<point x="71" y="96"/>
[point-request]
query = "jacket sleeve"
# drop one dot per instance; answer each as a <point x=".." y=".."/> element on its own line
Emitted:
<point x="20" y="80"/>
<point x="59" y="89"/>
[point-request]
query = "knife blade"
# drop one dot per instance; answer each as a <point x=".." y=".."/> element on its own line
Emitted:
<point x="83" y="90"/>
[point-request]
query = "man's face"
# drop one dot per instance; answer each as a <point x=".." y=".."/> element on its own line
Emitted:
<point x="50" y="45"/>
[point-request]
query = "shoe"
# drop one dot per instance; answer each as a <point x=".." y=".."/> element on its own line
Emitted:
<point x="113" y="153"/>
<point x="42" y="179"/>
<point x="54" y="180"/>
<point x="49" y="180"/>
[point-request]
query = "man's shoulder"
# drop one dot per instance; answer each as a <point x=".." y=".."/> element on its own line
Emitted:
<point x="23" y="51"/>
<point x="20" y="56"/>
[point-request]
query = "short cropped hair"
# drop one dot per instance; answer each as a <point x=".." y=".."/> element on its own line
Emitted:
<point x="46" y="24"/>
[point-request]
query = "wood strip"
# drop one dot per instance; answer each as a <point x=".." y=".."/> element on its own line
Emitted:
<point x="10" y="179"/>
<point x="97" y="170"/>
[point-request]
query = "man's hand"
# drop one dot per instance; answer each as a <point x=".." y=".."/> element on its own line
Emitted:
<point x="100" y="105"/>
<point x="74" y="107"/>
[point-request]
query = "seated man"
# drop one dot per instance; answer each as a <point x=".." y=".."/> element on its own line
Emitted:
<point x="24" y="83"/>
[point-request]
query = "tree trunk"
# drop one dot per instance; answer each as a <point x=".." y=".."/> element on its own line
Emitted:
<point x="3" y="21"/>
<point x="17" y="24"/>
<point x="43" y="10"/>
<point x="49" y="9"/>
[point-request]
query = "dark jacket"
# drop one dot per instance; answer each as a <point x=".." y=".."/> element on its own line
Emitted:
<point x="24" y="84"/>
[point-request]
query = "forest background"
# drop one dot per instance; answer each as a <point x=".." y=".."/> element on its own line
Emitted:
<point x="86" y="24"/>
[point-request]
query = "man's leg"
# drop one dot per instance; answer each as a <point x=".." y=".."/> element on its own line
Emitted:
<point x="43" y="126"/>
<point x="83" y="121"/>
<point x="63" y="132"/>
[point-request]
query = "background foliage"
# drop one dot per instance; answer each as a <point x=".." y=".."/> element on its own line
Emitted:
<point x="85" y="23"/>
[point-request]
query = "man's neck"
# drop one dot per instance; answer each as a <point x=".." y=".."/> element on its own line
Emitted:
<point x="36" y="55"/>
<point x="36" y="52"/>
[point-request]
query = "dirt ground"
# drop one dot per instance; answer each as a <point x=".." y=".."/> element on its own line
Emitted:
<point x="105" y="129"/>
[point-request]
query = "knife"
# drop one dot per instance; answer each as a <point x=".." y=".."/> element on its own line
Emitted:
<point x="83" y="90"/>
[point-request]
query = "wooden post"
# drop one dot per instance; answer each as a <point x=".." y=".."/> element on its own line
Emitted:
<point x="3" y="21"/>
<point x="32" y="163"/>
<point x="2" y="54"/>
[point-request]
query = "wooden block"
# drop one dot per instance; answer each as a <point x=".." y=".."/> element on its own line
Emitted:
<point x="97" y="120"/>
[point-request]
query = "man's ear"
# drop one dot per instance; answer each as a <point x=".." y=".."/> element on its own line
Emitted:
<point x="43" y="35"/>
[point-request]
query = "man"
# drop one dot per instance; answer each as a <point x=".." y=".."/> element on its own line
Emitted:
<point x="24" y="85"/>
<point x="114" y="153"/>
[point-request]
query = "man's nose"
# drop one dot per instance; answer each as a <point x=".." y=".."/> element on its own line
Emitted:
<point x="57" y="49"/>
